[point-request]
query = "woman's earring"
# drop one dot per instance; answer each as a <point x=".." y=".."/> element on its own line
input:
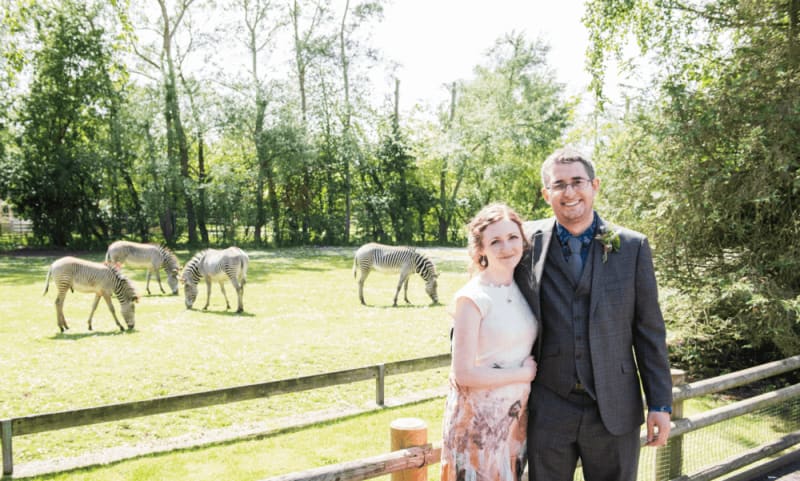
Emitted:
<point x="483" y="261"/>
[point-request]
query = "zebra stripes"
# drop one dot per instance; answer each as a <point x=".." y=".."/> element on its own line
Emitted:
<point x="151" y="256"/>
<point x="219" y="266"/>
<point x="70" y="273"/>
<point x="404" y="259"/>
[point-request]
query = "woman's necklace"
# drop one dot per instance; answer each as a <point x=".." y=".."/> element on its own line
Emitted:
<point x="506" y="289"/>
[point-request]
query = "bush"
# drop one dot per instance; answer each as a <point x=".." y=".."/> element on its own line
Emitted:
<point x="732" y="322"/>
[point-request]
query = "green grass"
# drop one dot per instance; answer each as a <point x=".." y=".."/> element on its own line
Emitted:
<point x="302" y="316"/>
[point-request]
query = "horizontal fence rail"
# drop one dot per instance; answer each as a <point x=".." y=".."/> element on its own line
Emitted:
<point x="38" y="423"/>
<point x="409" y="458"/>
<point x="425" y="455"/>
<point x="374" y="467"/>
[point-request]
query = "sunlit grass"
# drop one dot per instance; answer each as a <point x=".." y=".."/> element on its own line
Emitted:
<point x="302" y="317"/>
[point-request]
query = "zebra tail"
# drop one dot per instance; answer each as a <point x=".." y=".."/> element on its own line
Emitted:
<point x="47" y="281"/>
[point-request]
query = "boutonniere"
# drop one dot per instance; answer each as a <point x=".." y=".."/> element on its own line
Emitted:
<point x="609" y="238"/>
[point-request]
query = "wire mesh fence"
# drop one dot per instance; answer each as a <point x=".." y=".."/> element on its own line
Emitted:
<point x="718" y="442"/>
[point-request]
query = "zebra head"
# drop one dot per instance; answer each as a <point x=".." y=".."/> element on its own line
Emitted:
<point x="190" y="277"/>
<point x="431" y="286"/>
<point x="172" y="268"/>
<point x="172" y="280"/>
<point x="126" y="295"/>
<point x="128" y="313"/>
<point x="190" y="293"/>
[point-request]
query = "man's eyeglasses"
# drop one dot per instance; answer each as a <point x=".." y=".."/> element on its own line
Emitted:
<point x="577" y="184"/>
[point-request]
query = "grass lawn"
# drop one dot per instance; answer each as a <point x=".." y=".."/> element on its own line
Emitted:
<point x="302" y="316"/>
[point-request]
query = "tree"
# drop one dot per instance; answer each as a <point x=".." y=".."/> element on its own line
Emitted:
<point x="261" y="22"/>
<point x="65" y="119"/>
<point x="162" y="58"/>
<point x="716" y="155"/>
<point x="362" y="12"/>
<point x="495" y="132"/>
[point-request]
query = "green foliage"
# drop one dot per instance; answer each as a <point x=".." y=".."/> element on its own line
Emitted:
<point x="494" y="136"/>
<point x="709" y="167"/>
<point x="58" y="180"/>
<point x="742" y="320"/>
<point x="91" y="154"/>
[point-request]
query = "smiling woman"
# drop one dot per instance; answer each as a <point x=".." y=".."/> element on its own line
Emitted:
<point x="486" y="417"/>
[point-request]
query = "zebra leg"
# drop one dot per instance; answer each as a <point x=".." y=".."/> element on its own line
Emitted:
<point x="60" y="319"/>
<point x="147" y="286"/>
<point x="362" y="278"/>
<point x="405" y="290"/>
<point x="94" y="308"/>
<point x="110" y="304"/>
<point x="239" y="293"/>
<point x="405" y="273"/>
<point x="224" y="294"/>
<point x="403" y="279"/>
<point x="208" y="293"/>
<point x="158" y="278"/>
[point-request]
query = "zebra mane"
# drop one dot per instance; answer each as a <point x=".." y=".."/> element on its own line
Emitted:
<point x="169" y="258"/>
<point x="422" y="264"/>
<point x="124" y="281"/>
<point x="190" y="270"/>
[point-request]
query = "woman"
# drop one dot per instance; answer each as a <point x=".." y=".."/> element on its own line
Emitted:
<point x="494" y="329"/>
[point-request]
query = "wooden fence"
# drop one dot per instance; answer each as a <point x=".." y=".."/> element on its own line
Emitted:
<point x="39" y="423"/>
<point x="426" y="455"/>
<point x="671" y="455"/>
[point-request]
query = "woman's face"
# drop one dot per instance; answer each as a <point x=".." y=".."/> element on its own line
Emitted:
<point x="502" y="244"/>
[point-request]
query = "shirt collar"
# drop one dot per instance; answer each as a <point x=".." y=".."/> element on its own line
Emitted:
<point x="585" y="237"/>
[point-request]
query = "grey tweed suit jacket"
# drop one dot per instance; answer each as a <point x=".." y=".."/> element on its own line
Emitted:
<point x="627" y="335"/>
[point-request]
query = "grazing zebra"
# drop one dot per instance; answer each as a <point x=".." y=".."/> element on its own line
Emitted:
<point x="405" y="259"/>
<point x="151" y="256"/>
<point x="219" y="266"/>
<point x="70" y="273"/>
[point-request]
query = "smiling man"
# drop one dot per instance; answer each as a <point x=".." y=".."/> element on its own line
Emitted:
<point x="603" y="340"/>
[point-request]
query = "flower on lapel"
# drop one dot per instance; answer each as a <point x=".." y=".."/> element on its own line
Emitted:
<point x="610" y="240"/>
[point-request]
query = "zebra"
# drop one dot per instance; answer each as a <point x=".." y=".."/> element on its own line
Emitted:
<point x="405" y="259"/>
<point x="86" y="276"/>
<point x="152" y="256"/>
<point x="216" y="265"/>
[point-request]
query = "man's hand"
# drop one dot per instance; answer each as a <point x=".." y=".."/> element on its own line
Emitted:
<point x="658" y="427"/>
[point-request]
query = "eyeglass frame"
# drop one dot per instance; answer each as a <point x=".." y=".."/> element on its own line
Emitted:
<point x="577" y="184"/>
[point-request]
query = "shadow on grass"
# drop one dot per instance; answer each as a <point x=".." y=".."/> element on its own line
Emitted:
<point x="74" y="336"/>
<point x="403" y="306"/>
<point x="226" y="313"/>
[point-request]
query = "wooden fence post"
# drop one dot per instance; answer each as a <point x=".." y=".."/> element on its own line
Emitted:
<point x="5" y="435"/>
<point x="673" y="451"/>
<point x="407" y="433"/>
<point x="380" y="381"/>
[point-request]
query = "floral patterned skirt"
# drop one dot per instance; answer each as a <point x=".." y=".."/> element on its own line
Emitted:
<point x="485" y="433"/>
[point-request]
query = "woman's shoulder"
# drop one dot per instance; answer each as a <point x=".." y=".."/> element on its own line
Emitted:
<point x="476" y="292"/>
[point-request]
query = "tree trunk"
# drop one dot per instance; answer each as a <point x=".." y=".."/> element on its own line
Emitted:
<point x="201" y="180"/>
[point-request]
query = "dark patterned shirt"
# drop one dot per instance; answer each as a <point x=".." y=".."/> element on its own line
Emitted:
<point x="585" y="238"/>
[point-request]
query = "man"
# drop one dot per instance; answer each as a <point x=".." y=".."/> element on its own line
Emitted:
<point x="602" y="332"/>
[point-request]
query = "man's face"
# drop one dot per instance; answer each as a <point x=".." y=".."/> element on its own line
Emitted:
<point x="572" y="206"/>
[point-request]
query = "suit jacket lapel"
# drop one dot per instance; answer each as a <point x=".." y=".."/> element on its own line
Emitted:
<point x="598" y="271"/>
<point x="539" y="234"/>
<point x="542" y="245"/>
